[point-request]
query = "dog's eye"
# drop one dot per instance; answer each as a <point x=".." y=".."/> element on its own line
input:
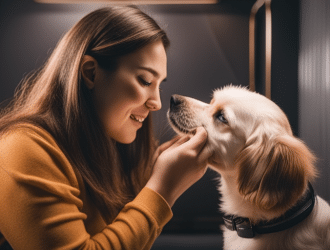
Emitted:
<point x="220" y="116"/>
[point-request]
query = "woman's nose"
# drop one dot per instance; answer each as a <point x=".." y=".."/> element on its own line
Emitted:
<point x="154" y="103"/>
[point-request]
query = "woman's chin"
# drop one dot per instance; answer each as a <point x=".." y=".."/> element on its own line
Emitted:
<point x="125" y="139"/>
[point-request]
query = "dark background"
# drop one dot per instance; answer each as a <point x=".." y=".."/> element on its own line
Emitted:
<point x="209" y="49"/>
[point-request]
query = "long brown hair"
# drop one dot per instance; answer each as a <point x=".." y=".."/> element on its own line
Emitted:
<point x="55" y="98"/>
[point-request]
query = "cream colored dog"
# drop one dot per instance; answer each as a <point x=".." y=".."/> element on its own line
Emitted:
<point x="267" y="197"/>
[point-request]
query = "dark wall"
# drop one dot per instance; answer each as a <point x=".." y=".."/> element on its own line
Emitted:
<point x="314" y="86"/>
<point x="285" y="58"/>
<point x="285" y="45"/>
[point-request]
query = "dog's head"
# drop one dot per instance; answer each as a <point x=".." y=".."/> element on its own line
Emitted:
<point x="252" y="140"/>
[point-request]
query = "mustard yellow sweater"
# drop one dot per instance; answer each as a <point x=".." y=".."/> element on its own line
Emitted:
<point x="43" y="203"/>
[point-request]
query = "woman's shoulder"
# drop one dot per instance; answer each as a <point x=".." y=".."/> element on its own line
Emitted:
<point x="26" y="140"/>
<point x="25" y="130"/>
<point x="29" y="151"/>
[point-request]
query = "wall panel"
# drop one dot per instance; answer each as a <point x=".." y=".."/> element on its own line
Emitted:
<point x="314" y="86"/>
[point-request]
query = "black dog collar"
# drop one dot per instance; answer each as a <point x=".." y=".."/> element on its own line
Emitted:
<point x="291" y="218"/>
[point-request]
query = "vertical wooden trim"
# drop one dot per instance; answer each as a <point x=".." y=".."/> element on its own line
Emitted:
<point x="268" y="48"/>
<point x="252" y="48"/>
<point x="252" y="53"/>
<point x="252" y="43"/>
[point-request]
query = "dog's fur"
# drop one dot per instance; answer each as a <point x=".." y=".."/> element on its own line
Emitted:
<point x="264" y="169"/>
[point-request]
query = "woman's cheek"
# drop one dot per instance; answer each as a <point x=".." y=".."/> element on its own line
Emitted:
<point x="136" y="93"/>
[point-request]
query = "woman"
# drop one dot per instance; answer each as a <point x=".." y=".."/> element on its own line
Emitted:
<point x="79" y="167"/>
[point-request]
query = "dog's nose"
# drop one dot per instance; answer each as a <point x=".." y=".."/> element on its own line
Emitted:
<point x="175" y="101"/>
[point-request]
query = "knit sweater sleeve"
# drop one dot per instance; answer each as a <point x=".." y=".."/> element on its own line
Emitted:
<point x="40" y="206"/>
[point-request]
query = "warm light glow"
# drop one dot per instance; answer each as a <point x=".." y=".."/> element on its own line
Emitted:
<point x="127" y="2"/>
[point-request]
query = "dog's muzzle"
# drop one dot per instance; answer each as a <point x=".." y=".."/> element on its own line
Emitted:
<point x="181" y="117"/>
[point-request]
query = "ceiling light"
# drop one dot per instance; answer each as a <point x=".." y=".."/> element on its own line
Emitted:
<point x="128" y="2"/>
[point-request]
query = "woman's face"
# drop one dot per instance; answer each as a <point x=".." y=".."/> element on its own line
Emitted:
<point x="124" y="98"/>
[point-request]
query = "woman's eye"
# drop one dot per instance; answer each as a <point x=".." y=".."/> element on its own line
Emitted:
<point x="144" y="82"/>
<point x="220" y="117"/>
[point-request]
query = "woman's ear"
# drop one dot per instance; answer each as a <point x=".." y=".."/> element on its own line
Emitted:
<point x="274" y="172"/>
<point x="88" y="70"/>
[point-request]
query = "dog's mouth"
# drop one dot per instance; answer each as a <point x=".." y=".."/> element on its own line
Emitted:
<point x="178" y="126"/>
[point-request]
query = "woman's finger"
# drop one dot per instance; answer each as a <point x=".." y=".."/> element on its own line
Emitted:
<point x="198" y="141"/>
<point x="165" y="146"/>
<point x="205" y="154"/>
<point x="168" y="144"/>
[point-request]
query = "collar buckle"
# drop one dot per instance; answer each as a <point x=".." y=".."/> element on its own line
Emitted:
<point x="245" y="230"/>
<point x="241" y="225"/>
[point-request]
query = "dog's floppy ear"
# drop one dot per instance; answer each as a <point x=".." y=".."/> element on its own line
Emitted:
<point x="274" y="172"/>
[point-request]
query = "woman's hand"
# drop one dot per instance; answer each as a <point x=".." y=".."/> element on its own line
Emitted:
<point x="180" y="163"/>
<point x="163" y="147"/>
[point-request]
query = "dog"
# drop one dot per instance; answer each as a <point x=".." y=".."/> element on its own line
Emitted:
<point x="266" y="172"/>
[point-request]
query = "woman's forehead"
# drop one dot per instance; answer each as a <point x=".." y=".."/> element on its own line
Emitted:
<point x="151" y="58"/>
